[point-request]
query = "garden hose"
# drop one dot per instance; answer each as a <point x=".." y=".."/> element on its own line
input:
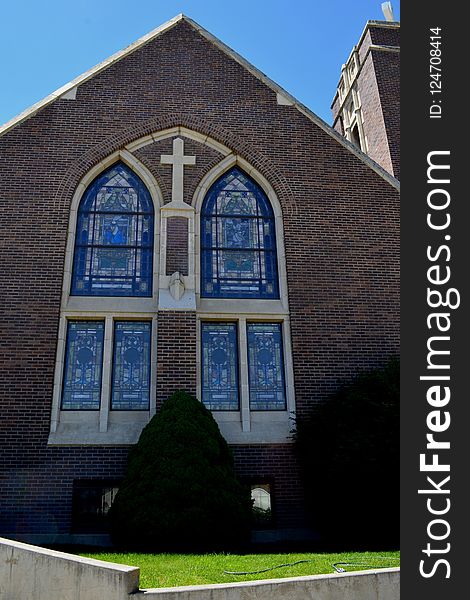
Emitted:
<point x="264" y="570"/>
<point x="335" y="566"/>
<point x="339" y="569"/>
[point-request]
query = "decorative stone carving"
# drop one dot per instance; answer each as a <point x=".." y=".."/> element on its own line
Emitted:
<point x="176" y="292"/>
<point x="176" y="286"/>
<point x="178" y="160"/>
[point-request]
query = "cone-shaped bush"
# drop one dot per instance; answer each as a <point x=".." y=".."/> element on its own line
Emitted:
<point x="180" y="491"/>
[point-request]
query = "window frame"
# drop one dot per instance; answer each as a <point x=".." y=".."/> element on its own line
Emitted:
<point x="236" y="306"/>
<point x="254" y="481"/>
<point x="113" y="365"/>
<point x="83" y="248"/>
<point x="66" y="363"/>
<point x="114" y="427"/>
<point x="99" y="524"/>
<point x="246" y="424"/>
<point x="283" y="366"/>
<point x="237" y="364"/>
<point x="103" y="426"/>
<point x="210" y="254"/>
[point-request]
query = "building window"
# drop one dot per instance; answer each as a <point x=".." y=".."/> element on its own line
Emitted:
<point x="220" y="366"/>
<point x="351" y="112"/>
<point x="91" y="501"/>
<point x="265" y="376"/>
<point x="352" y="70"/>
<point x="131" y="366"/>
<point x="238" y="243"/>
<point x="355" y="139"/>
<point x="341" y="90"/>
<point x="114" y="237"/>
<point x="266" y="366"/>
<point x="261" y="505"/>
<point x="83" y="365"/>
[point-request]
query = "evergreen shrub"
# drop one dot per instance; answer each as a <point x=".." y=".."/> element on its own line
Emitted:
<point x="349" y="450"/>
<point x="180" y="492"/>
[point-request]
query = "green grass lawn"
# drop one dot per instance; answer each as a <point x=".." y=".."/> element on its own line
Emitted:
<point x="168" y="570"/>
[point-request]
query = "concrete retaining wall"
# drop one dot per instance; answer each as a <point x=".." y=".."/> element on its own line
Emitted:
<point x="33" y="573"/>
<point x="382" y="584"/>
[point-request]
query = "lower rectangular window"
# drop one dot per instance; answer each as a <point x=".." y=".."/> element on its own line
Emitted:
<point x="266" y="366"/>
<point x="91" y="502"/>
<point x="81" y="389"/>
<point x="220" y="366"/>
<point x="131" y="366"/>
<point x="261" y="512"/>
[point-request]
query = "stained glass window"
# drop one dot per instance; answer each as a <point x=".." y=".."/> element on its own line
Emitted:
<point x="131" y="366"/>
<point x="114" y="238"/>
<point x="83" y="364"/>
<point x="266" y="366"/>
<point x="238" y="242"/>
<point x="220" y="366"/>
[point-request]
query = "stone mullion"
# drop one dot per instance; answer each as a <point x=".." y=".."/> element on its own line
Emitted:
<point x="243" y="373"/>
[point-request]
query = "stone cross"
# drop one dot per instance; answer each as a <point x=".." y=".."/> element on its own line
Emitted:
<point x="178" y="160"/>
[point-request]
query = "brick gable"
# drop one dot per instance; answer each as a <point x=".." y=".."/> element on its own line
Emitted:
<point x="341" y="242"/>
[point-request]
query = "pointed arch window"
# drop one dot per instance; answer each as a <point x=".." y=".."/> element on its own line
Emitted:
<point x="238" y="242"/>
<point x="114" y="237"/>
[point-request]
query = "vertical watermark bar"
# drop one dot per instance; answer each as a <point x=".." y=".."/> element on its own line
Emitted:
<point x="435" y="404"/>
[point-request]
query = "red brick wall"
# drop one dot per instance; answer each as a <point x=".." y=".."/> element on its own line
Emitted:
<point x="341" y="243"/>
<point x="387" y="72"/>
<point x="384" y="36"/>
<point x="176" y="353"/>
<point x="364" y="46"/>
<point x="177" y="246"/>
<point x="372" y="112"/>
<point x="379" y="88"/>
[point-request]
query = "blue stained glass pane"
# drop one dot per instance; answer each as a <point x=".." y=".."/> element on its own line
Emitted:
<point x="114" y="239"/>
<point x="131" y="366"/>
<point x="231" y="202"/>
<point x="237" y="233"/>
<point x="220" y="366"/>
<point x="266" y="366"/>
<point x="81" y="388"/>
<point x="238" y="246"/>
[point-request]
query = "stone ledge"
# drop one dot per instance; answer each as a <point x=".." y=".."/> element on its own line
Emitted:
<point x="380" y="584"/>
<point x="38" y="573"/>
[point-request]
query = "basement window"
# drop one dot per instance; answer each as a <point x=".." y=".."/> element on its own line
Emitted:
<point x="91" y="502"/>
<point x="261" y="507"/>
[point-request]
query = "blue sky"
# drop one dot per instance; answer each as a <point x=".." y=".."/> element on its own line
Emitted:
<point x="300" y="44"/>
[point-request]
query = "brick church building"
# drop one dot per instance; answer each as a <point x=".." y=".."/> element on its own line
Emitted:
<point x="173" y="219"/>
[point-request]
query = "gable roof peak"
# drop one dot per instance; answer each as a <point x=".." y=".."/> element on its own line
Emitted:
<point x="292" y="101"/>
